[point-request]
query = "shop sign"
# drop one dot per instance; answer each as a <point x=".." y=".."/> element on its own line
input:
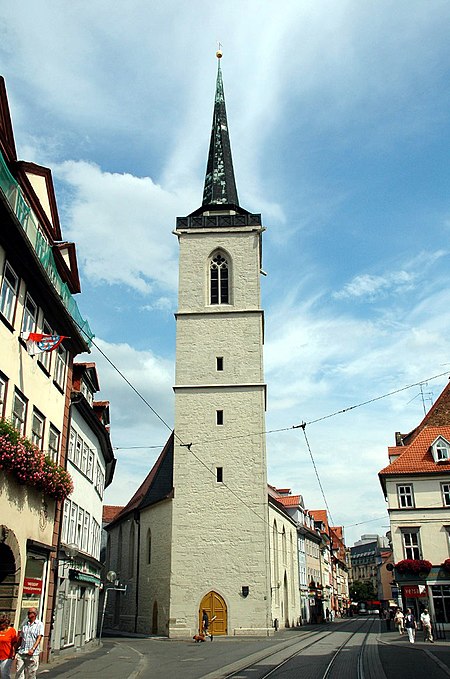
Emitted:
<point x="30" y="603"/>
<point x="414" y="591"/>
<point x="32" y="586"/>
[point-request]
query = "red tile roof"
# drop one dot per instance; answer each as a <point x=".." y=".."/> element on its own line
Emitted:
<point x="416" y="458"/>
<point x="320" y="515"/>
<point x="437" y="416"/>
<point x="110" y="512"/>
<point x="289" y="500"/>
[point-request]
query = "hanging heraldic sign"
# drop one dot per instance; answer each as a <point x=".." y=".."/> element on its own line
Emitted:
<point x="32" y="586"/>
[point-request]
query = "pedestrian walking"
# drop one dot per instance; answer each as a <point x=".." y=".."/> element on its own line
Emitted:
<point x="30" y="635"/>
<point x="426" y="625"/>
<point x="205" y="624"/>
<point x="398" y="620"/>
<point x="8" y="642"/>
<point x="410" y="625"/>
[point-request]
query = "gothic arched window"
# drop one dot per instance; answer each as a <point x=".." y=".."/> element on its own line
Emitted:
<point x="219" y="280"/>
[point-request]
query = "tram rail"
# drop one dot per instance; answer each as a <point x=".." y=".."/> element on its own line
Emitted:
<point x="313" y="638"/>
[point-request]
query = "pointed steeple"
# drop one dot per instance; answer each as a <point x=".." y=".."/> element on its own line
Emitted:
<point x="220" y="185"/>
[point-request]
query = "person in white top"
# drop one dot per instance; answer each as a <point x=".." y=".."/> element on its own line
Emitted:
<point x="398" y="620"/>
<point x="426" y="624"/>
<point x="28" y="650"/>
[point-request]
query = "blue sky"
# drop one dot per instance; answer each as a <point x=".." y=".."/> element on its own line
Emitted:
<point x="338" y="116"/>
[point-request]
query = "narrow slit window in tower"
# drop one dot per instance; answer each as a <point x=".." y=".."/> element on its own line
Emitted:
<point x="219" y="474"/>
<point x="219" y="362"/>
<point x="219" y="416"/>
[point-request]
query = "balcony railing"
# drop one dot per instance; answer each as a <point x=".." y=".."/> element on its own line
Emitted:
<point x="30" y="225"/>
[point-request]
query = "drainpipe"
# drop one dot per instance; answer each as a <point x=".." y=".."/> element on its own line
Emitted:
<point x="137" y="520"/>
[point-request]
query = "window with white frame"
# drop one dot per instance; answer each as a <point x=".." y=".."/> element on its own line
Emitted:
<point x="78" y="451"/>
<point x="405" y="496"/>
<point x="72" y="444"/>
<point x="440" y="449"/>
<point x="29" y="317"/>
<point x="53" y="444"/>
<point x="3" y="389"/>
<point x="90" y="465"/>
<point x="87" y="393"/>
<point x="60" y="366"/>
<point x="37" y="428"/>
<point x="79" y="528"/>
<point x="72" y="523"/>
<point x="65" y="521"/>
<point x="86" y="525"/>
<point x="411" y="544"/>
<point x="69" y="619"/>
<point x="19" y="412"/>
<point x="45" y="357"/>
<point x="446" y="494"/>
<point x="84" y="457"/>
<point x="8" y="293"/>
<point x="89" y="630"/>
<point x="99" y="480"/>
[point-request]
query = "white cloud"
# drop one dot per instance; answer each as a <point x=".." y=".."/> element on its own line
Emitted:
<point x="122" y="226"/>
<point x="136" y="429"/>
<point x="372" y="287"/>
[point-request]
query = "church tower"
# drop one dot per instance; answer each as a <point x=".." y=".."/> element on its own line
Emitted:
<point x="220" y="532"/>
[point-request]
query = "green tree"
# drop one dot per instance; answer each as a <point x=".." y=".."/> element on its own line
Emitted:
<point x="362" y="590"/>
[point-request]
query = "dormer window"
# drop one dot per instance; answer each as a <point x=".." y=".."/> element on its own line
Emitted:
<point x="440" y="450"/>
<point x="87" y="393"/>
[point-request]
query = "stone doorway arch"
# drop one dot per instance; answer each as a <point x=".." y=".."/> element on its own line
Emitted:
<point x="215" y="606"/>
<point x="10" y="567"/>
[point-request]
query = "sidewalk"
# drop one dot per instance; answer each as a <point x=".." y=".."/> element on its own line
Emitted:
<point x="438" y="652"/>
<point x="107" y="660"/>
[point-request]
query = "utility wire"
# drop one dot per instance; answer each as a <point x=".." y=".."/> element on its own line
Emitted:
<point x="302" y="426"/>
<point x="317" y="473"/>
<point x="298" y="426"/>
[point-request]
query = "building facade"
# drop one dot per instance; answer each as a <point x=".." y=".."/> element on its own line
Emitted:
<point x="416" y="485"/>
<point x="202" y="516"/>
<point x="38" y="278"/>
<point x="91" y="463"/>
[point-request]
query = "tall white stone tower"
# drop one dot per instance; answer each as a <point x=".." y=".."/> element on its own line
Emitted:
<point x="220" y="532"/>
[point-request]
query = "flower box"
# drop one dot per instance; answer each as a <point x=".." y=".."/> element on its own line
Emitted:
<point x="414" y="566"/>
<point x="30" y="466"/>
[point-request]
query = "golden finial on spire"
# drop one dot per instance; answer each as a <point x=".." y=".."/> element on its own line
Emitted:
<point x="219" y="52"/>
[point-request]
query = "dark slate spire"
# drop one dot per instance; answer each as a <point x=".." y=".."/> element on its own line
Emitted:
<point x="220" y="185"/>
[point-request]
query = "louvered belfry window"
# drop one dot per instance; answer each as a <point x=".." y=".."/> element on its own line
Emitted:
<point x="219" y="291"/>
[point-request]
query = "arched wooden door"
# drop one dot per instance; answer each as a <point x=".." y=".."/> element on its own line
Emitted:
<point x="216" y="607"/>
